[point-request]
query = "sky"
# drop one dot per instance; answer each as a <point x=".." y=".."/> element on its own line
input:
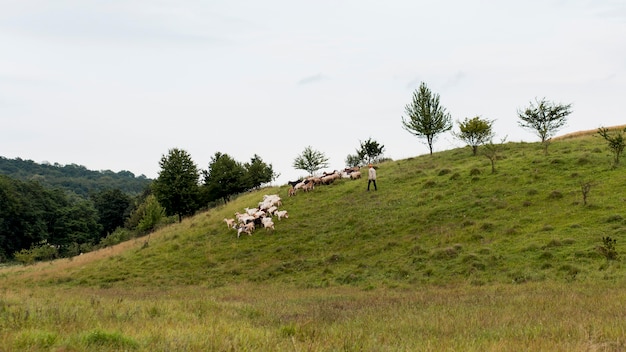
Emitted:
<point x="114" y="85"/>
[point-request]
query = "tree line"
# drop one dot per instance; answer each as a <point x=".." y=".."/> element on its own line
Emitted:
<point x="47" y="220"/>
<point x="75" y="178"/>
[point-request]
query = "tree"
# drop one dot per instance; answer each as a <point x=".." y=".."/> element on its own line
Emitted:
<point x="176" y="187"/>
<point x="492" y="152"/>
<point x="258" y="172"/>
<point x="474" y="132"/>
<point x="310" y="160"/>
<point x="353" y="160"/>
<point x="77" y="223"/>
<point x="153" y="213"/>
<point x="112" y="206"/>
<point x="224" y="178"/>
<point x="544" y="118"/>
<point x="426" y="117"/>
<point x="616" y="142"/>
<point x="371" y="150"/>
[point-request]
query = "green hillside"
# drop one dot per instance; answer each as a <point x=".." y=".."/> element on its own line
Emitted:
<point x="435" y="219"/>
<point x="445" y="256"/>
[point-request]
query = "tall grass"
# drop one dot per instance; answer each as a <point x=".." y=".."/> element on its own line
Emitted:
<point x="444" y="256"/>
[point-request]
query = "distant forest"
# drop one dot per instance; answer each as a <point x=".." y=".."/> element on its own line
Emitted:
<point x="75" y="178"/>
<point x="51" y="211"/>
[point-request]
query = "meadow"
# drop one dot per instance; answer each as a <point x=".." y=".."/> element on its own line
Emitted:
<point x="445" y="256"/>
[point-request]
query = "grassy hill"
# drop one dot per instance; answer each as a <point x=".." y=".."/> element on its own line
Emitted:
<point x="446" y="255"/>
<point x="435" y="219"/>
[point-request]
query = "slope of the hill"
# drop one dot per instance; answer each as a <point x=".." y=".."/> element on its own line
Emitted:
<point x="435" y="219"/>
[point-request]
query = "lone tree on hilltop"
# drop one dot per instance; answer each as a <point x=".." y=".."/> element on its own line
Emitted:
<point x="310" y="160"/>
<point x="426" y="117"/>
<point x="475" y="131"/>
<point x="177" y="188"/>
<point x="544" y="118"/>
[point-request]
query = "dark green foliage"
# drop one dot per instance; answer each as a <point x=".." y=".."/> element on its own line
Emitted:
<point x="177" y="187"/>
<point x="30" y="214"/>
<point x="426" y="117"/>
<point x="225" y="178"/>
<point x="74" y="178"/>
<point x="113" y="209"/>
<point x="258" y="173"/>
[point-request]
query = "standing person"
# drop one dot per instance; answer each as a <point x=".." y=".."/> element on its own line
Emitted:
<point x="371" y="178"/>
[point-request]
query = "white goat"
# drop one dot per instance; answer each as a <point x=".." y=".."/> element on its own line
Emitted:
<point x="230" y="223"/>
<point x="247" y="228"/>
<point x="268" y="223"/>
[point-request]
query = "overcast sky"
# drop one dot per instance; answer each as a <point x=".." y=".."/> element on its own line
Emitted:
<point x="113" y="85"/>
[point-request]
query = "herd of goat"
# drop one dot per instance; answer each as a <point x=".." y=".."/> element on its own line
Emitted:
<point x="263" y="214"/>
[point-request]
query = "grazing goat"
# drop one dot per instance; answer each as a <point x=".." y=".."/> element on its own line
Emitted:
<point x="292" y="191"/>
<point x="268" y="223"/>
<point x="247" y="228"/>
<point x="282" y="214"/>
<point x="294" y="183"/>
<point x="355" y="175"/>
<point x="271" y="210"/>
<point x="230" y="223"/>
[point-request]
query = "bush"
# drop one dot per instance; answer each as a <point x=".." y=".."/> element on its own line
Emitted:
<point x="118" y="236"/>
<point x="607" y="249"/>
<point x="37" y="252"/>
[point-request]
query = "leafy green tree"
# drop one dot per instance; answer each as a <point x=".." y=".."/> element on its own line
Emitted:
<point x="112" y="206"/>
<point x="310" y="160"/>
<point x="475" y="131"/>
<point x="77" y="222"/>
<point x="353" y="160"/>
<point x="153" y="213"/>
<point x="258" y="172"/>
<point x="545" y="118"/>
<point x="616" y="142"/>
<point x="176" y="187"/>
<point x="370" y="150"/>
<point x="426" y="117"/>
<point x="225" y="177"/>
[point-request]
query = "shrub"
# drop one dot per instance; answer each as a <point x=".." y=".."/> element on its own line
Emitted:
<point x="607" y="249"/>
<point x="118" y="236"/>
<point x="37" y="252"/>
<point x="116" y="340"/>
<point x="474" y="172"/>
<point x="555" y="195"/>
<point x="615" y="218"/>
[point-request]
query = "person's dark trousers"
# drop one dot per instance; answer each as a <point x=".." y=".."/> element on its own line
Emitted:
<point x="368" y="185"/>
